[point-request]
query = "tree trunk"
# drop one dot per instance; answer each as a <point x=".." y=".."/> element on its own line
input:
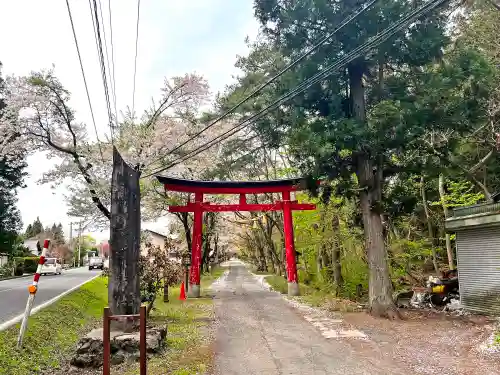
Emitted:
<point x="319" y="263"/>
<point x="184" y="218"/>
<point x="149" y="307"/>
<point x="429" y="224"/>
<point x="262" y="258"/>
<point x="370" y="180"/>
<point x="442" y="196"/>
<point x="124" y="297"/>
<point x="165" y="291"/>
<point x="336" y="261"/>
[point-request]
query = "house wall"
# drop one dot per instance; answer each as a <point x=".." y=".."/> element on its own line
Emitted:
<point x="156" y="240"/>
<point x="478" y="264"/>
<point x="3" y="260"/>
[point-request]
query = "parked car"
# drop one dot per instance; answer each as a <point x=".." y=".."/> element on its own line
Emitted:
<point x="51" y="266"/>
<point x="96" y="262"/>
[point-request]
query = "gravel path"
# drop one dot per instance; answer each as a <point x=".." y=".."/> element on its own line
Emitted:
<point x="261" y="333"/>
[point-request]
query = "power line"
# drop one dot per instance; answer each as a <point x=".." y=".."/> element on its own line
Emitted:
<point x="111" y="77"/>
<point x="84" y="79"/>
<point x="322" y="41"/>
<point x="135" y="59"/>
<point x="97" y="35"/>
<point x="112" y="58"/>
<point x="356" y="53"/>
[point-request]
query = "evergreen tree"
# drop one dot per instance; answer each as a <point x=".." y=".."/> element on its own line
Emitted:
<point x="29" y="231"/>
<point x="37" y="227"/>
<point x="58" y="234"/>
<point x="368" y="122"/>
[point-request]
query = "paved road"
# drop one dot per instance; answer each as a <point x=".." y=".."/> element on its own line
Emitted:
<point x="261" y="333"/>
<point x="14" y="292"/>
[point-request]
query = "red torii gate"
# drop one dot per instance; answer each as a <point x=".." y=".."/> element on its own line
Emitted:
<point x="199" y="188"/>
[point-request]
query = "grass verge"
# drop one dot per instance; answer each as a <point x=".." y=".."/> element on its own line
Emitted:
<point x="53" y="332"/>
<point x="189" y="337"/>
<point x="313" y="296"/>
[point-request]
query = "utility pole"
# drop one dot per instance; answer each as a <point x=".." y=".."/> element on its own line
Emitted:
<point x="79" y="243"/>
<point x="71" y="241"/>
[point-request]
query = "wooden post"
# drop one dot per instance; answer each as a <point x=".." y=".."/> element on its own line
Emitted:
<point x="123" y="287"/>
<point x="142" y="341"/>
<point x="105" y="342"/>
<point x="107" y="318"/>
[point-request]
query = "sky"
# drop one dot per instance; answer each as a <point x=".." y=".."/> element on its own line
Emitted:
<point x="175" y="37"/>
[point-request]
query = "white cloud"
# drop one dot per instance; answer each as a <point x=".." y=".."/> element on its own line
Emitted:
<point x="175" y="37"/>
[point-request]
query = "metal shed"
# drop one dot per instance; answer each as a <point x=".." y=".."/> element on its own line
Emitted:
<point x="478" y="256"/>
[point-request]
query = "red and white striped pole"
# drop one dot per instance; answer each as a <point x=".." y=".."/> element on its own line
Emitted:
<point x="32" y="290"/>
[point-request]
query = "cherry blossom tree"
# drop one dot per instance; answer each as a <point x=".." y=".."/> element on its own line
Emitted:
<point x="43" y="117"/>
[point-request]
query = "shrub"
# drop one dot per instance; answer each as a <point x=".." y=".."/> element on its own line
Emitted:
<point x="6" y="269"/>
<point x="19" y="270"/>
<point x="30" y="263"/>
<point x="156" y="270"/>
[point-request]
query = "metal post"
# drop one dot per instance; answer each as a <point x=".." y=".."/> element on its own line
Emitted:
<point x="105" y="342"/>
<point x="194" y="289"/>
<point x="293" y="285"/>
<point x="31" y="298"/>
<point x="142" y="340"/>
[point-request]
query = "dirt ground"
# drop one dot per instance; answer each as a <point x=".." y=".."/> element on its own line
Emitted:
<point x="428" y="342"/>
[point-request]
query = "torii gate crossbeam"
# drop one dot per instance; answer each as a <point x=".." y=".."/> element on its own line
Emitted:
<point x="241" y="188"/>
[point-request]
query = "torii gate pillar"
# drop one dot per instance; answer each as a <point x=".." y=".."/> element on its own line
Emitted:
<point x="291" y="265"/>
<point x="194" y="275"/>
<point x="199" y="188"/>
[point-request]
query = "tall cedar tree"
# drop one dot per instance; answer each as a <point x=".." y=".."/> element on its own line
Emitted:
<point x="349" y="125"/>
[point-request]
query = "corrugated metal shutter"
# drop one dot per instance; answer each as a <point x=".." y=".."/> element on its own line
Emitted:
<point x="478" y="259"/>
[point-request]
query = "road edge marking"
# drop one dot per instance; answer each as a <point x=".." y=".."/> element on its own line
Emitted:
<point x="17" y="319"/>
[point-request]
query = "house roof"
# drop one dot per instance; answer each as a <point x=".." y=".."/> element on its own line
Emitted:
<point x="155" y="233"/>
<point x="31" y="243"/>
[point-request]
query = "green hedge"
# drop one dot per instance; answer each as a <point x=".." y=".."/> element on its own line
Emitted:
<point x="30" y="263"/>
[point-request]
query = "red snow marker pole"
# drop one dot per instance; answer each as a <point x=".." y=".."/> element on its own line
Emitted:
<point x="32" y="290"/>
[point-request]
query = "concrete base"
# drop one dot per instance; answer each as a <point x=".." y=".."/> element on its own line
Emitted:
<point x="194" y="291"/>
<point x="293" y="289"/>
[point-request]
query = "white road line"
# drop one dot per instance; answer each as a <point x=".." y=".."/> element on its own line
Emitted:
<point x="18" y="318"/>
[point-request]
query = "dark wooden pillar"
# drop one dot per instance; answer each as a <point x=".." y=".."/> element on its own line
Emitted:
<point x="123" y="287"/>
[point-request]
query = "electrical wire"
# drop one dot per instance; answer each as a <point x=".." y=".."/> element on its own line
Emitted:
<point x="84" y="78"/>
<point x="322" y="41"/>
<point x="112" y="57"/>
<point x="135" y="59"/>
<point x="356" y="53"/>
<point x="111" y="73"/>
<point x="97" y="35"/>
